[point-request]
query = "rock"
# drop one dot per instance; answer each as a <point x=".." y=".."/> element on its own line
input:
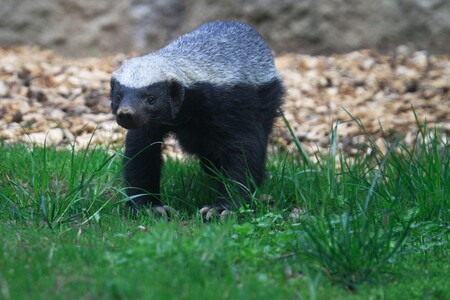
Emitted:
<point x="288" y="25"/>
<point x="17" y="117"/>
<point x="84" y="140"/>
<point x="52" y="137"/>
<point x="7" y="135"/>
<point x="68" y="136"/>
<point x="3" y="112"/>
<point x="98" y="118"/>
<point x="3" y="89"/>
<point x="55" y="136"/>
<point x="55" y="114"/>
<point x="37" y="138"/>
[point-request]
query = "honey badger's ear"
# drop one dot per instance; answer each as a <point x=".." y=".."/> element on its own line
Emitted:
<point x="111" y="84"/>
<point x="176" y="96"/>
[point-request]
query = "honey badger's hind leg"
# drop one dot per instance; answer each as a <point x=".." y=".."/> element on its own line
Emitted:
<point x="219" y="208"/>
<point x="241" y="165"/>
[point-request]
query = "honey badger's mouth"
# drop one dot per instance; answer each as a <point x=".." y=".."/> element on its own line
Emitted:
<point x="127" y="124"/>
<point x="128" y="118"/>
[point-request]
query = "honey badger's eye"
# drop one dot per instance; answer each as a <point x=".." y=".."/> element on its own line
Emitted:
<point x="118" y="98"/>
<point x="150" y="99"/>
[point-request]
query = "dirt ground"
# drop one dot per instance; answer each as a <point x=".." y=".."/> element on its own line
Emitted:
<point x="63" y="101"/>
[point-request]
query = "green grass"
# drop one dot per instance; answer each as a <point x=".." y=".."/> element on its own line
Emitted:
<point x="370" y="227"/>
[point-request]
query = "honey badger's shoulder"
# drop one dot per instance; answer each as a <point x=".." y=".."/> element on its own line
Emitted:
<point x="218" y="53"/>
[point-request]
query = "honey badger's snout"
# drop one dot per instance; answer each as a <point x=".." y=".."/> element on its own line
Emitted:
<point x="127" y="117"/>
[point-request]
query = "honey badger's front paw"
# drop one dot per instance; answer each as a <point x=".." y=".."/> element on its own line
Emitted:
<point x="208" y="213"/>
<point x="160" y="211"/>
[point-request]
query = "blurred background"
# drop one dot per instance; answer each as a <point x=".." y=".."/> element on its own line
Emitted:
<point x="87" y="28"/>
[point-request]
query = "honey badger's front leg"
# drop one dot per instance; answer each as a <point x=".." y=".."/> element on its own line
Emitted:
<point x="142" y="168"/>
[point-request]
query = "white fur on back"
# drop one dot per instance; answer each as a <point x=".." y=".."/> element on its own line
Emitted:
<point x="220" y="53"/>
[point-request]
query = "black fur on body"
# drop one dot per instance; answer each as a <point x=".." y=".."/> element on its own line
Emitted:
<point x="223" y="121"/>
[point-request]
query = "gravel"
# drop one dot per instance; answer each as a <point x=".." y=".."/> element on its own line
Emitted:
<point x="45" y="97"/>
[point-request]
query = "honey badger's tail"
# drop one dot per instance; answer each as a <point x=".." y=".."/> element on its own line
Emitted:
<point x="271" y="97"/>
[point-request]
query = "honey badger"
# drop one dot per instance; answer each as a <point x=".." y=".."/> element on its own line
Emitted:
<point x="216" y="89"/>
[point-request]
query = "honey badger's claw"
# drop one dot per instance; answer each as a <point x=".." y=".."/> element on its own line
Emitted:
<point x="208" y="213"/>
<point x="204" y="209"/>
<point x="161" y="210"/>
<point x="224" y="214"/>
<point x="165" y="211"/>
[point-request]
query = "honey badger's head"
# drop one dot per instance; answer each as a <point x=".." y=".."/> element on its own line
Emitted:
<point x="140" y="107"/>
<point x="140" y="97"/>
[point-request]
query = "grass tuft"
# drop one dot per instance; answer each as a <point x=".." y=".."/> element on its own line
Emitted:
<point x="364" y="212"/>
<point x="43" y="184"/>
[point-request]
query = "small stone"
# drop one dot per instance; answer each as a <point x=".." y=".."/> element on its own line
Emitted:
<point x="55" y="114"/>
<point x="3" y="89"/>
<point x="37" y="138"/>
<point x="7" y="135"/>
<point x="2" y="112"/>
<point x="17" y="117"/>
<point x="55" y="136"/>
<point x="41" y="97"/>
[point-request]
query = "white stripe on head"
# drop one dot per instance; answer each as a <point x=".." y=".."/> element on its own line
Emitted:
<point x="149" y="69"/>
<point x="143" y="71"/>
<point x="218" y="53"/>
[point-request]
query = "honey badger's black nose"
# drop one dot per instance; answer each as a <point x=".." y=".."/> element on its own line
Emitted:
<point x="126" y="117"/>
